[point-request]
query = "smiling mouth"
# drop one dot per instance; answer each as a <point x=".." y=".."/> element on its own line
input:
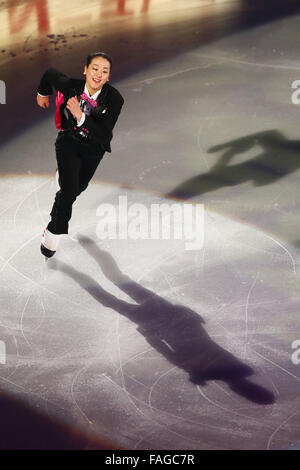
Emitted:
<point x="96" y="81"/>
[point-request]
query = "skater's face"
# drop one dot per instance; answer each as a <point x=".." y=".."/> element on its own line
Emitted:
<point x="97" y="73"/>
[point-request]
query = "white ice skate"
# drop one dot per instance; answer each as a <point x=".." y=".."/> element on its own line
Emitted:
<point x="49" y="243"/>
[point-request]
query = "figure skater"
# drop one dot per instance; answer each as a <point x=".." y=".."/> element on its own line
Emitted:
<point x="86" y="113"/>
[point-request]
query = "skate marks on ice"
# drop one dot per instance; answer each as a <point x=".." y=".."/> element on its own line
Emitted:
<point x="175" y="331"/>
<point x="121" y="323"/>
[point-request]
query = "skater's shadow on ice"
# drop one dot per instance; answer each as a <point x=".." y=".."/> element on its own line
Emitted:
<point x="276" y="158"/>
<point x="175" y="331"/>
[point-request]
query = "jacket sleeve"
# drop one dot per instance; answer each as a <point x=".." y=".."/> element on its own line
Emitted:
<point x="53" y="78"/>
<point x="100" y="124"/>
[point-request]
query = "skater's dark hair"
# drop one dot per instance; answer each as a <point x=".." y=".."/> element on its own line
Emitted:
<point x="91" y="56"/>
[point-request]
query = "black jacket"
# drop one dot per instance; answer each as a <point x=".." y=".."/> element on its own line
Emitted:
<point x="99" y="124"/>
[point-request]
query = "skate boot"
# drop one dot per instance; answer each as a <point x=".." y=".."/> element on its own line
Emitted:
<point x="49" y="243"/>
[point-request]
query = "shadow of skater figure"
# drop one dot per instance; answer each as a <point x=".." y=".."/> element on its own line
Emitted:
<point x="277" y="158"/>
<point x="175" y="331"/>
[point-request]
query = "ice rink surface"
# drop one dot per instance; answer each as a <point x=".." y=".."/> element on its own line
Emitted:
<point x="144" y="343"/>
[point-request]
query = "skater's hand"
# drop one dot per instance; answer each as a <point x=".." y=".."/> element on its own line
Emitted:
<point x="43" y="101"/>
<point x="74" y="107"/>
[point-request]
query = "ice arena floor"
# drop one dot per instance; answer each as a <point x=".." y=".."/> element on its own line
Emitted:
<point x="148" y="343"/>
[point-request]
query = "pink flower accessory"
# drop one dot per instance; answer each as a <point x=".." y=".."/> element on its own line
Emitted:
<point x="85" y="97"/>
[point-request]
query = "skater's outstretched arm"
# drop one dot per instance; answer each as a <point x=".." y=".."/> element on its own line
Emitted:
<point x="53" y="78"/>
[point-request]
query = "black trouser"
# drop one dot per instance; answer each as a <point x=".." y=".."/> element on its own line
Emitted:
<point x="76" y="162"/>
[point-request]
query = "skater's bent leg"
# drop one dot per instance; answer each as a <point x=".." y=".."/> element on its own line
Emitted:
<point x="69" y="166"/>
<point x="61" y="212"/>
<point x="88" y="168"/>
